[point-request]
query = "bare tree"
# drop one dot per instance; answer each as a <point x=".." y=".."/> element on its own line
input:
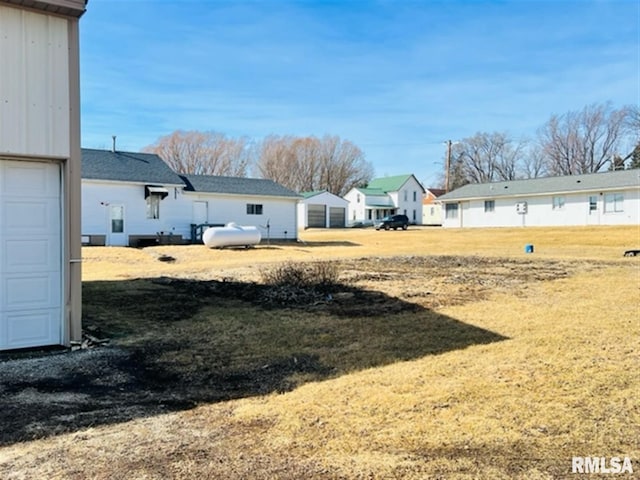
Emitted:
<point x="311" y="163"/>
<point x="583" y="141"/>
<point x="533" y="163"/>
<point x="485" y="157"/>
<point x="204" y="153"/>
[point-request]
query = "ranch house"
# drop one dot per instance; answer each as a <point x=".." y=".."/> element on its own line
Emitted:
<point x="608" y="198"/>
<point x="135" y="199"/>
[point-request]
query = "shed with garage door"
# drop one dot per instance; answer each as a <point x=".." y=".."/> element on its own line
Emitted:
<point x="40" y="277"/>
<point x="322" y="209"/>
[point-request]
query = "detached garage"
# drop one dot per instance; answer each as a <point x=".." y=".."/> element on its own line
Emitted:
<point x="322" y="210"/>
<point x="40" y="277"/>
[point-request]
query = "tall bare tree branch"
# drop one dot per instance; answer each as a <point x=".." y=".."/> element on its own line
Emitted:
<point x="204" y="153"/>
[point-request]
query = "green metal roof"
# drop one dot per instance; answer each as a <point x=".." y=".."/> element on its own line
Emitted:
<point x="372" y="191"/>
<point x="312" y="194"/>
<point x="591" y="182"/>
<point x="389" y="184"/>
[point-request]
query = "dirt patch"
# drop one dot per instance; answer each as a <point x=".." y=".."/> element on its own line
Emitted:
<point x="178" y="342"/>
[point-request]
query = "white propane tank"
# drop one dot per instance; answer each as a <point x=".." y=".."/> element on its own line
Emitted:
<point x="231" y="235"/>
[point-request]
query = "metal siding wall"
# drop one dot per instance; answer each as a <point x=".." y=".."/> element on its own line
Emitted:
<point x="34" y="84"/>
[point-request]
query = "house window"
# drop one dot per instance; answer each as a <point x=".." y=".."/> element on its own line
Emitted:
<point x="613" y="202"/>
<point x="451" y="210"/>
<point x="432" y="211"/>
<point x="414" y="215"/>
<point x="489" y="206"/>
<point x="153" y="206"/>
<point x="406" y="195"/>
<point x="254" y="209"/>
<point x="593" y="203"/>
<point x="415" y="195"/>
<point x="558" y="203"/>
<point x="358" y="198"/>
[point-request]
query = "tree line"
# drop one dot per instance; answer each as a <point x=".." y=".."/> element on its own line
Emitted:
<point x="596" y="138"/>
<point x="302" y="164"/>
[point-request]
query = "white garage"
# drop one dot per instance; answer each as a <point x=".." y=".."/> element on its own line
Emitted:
<point x="321" y="210"/>
<point x="30" y="254"/>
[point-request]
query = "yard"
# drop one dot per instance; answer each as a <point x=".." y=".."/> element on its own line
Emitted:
<point x="436" y="353"/>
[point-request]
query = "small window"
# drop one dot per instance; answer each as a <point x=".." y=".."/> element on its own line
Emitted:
<point x="406" y="195"/>
<point x="489" y="206"/>
<point x="593" y="203"/>
<point x="153" y="206"/>
<point x="558" y="203"/>
<point x="414" y="215"/>
<point x="613" y="202"/>
<point x="254" y="209"/>
<point x="358" y="198"/>
<point x="432" y="211"/>
<point x="415" y="195"/>
<point x="451" y="210"/>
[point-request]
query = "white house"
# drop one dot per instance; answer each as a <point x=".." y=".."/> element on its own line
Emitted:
<point x="40" y="274"/>
<point x="432" y="207"/>
<point x="386" y="196"/>
<point x="608" y="198"/>
<point x="130" y="199"/>
<point x="321" y="210"/>
<point x="262" y="203"/>
<point x="135" y="199"/>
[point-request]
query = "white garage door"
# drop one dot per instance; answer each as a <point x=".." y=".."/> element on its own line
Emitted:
<point x="30" y="255"/>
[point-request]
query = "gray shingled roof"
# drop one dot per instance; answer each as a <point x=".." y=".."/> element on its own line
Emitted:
<point x="236" y="186"/>
<point x="549" y="185"/>
<point x="127" y="167"/>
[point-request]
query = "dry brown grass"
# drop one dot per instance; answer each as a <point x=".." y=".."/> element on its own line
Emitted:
<point x="564" y="382"/>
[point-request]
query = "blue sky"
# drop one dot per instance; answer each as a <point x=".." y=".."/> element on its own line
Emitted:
<point x="397" y="78"/>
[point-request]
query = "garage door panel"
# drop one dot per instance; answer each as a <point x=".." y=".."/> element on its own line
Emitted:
<point x="31" y="328"/>
<point x="26" y="179"/>
<point x="30" y="255"/>
<point x="30" y="291"/>
<point x="30" y="217"/>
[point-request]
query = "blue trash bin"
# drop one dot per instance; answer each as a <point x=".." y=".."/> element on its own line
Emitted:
<point x="528" y="248"/>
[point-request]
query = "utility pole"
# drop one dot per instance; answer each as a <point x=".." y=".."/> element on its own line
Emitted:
<point x="447" y="167"/>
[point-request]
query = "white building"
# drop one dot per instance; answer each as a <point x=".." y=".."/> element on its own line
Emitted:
<point x="321" y="210"/>
<point x="401" y="194"/>
<point x="432" y="207"/>
<point x="135" y="199"/>
<point x="257" y="202"/>
<point x="608" y="198"/>
<point x="40" y="274"/>
<point x="130" y="199"/>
